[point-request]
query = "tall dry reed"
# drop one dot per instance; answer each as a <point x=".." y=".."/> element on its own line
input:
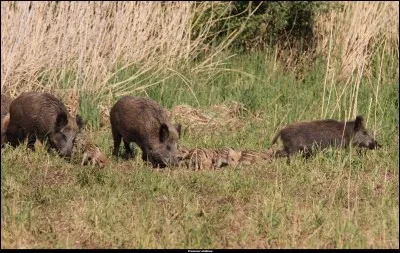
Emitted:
<point x="355" y="31"/>
<point x="81" y="45"/>
<point x="349" y="38"/>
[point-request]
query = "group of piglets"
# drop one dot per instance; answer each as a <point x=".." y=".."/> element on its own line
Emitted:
<point x="41" y="116"/>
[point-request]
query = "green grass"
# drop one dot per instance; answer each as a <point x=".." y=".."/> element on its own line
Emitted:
<point x="337" y="199"/>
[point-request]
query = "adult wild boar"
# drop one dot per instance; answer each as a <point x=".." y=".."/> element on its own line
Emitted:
<point x="37" y="115"/>
<point x="144" y="122"/>
<point x="324" y="133"/>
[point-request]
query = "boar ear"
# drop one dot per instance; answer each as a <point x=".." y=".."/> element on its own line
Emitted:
<point x="61" y="120"/>
<point x="358" y="123"/>
<point x="179" y="129"/>
<point x="79" y="121"/>
<point x="164" y="132"/>
<point x="6" y="122"/>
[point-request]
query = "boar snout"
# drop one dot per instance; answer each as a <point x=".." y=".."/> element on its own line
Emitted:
<point x="66" y="130"/>
<point x="173" y="161"/>
<point x="162" y="163"/>
<point x="66" y="155"/>
<point x="374" y="145"/>
<point x="65" y="151"/>
<point x="371" y="145"/>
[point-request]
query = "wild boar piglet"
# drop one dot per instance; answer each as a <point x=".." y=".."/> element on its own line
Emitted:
<point x="227" y="157"/>
<point x="91" y="152"/>
<point x="250" y="157"/>
<point x="207" y="158"/>
<point x="201" y="158"/>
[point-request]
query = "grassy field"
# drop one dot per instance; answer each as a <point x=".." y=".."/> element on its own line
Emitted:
<point x="337" y="199"/>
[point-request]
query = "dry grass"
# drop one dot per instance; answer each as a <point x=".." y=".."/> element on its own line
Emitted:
<point x="219" y="117"/>
<point x="79" y="46"/>
<point x="350" y="38"/>
<point x="351" y="35"/>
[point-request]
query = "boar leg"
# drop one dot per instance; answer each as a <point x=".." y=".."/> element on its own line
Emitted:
<point x="128" y="151"/>
<point x="281" y="153"/>
<point x="15" y="136"/>
<point x="144" y="156"/>
<point x="306" y="153"/>
<point x="31" y="142"/>
<point x="188" y="163"/>
<point x="84" y="159"/>
<point x="117" y="141"/>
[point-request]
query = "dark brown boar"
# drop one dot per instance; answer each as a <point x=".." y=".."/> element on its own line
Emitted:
<point x="144" y="122"/>
<point x="37" y="115"/>
<point x="324" y="133"/>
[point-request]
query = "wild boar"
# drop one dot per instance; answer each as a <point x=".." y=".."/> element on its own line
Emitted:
<point x="5" y="107"/>
<point x="182" y="154"/>
<point x="204" y="158"/>
<point x="38" y="115"/>
<point x="300" y="137"/>
<point x="144" y="122"/>
<point x="227" y="157"/>
<point x="250" y="157"/>
<point x="201" y="158"/>
<point x="93" y="153"/>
